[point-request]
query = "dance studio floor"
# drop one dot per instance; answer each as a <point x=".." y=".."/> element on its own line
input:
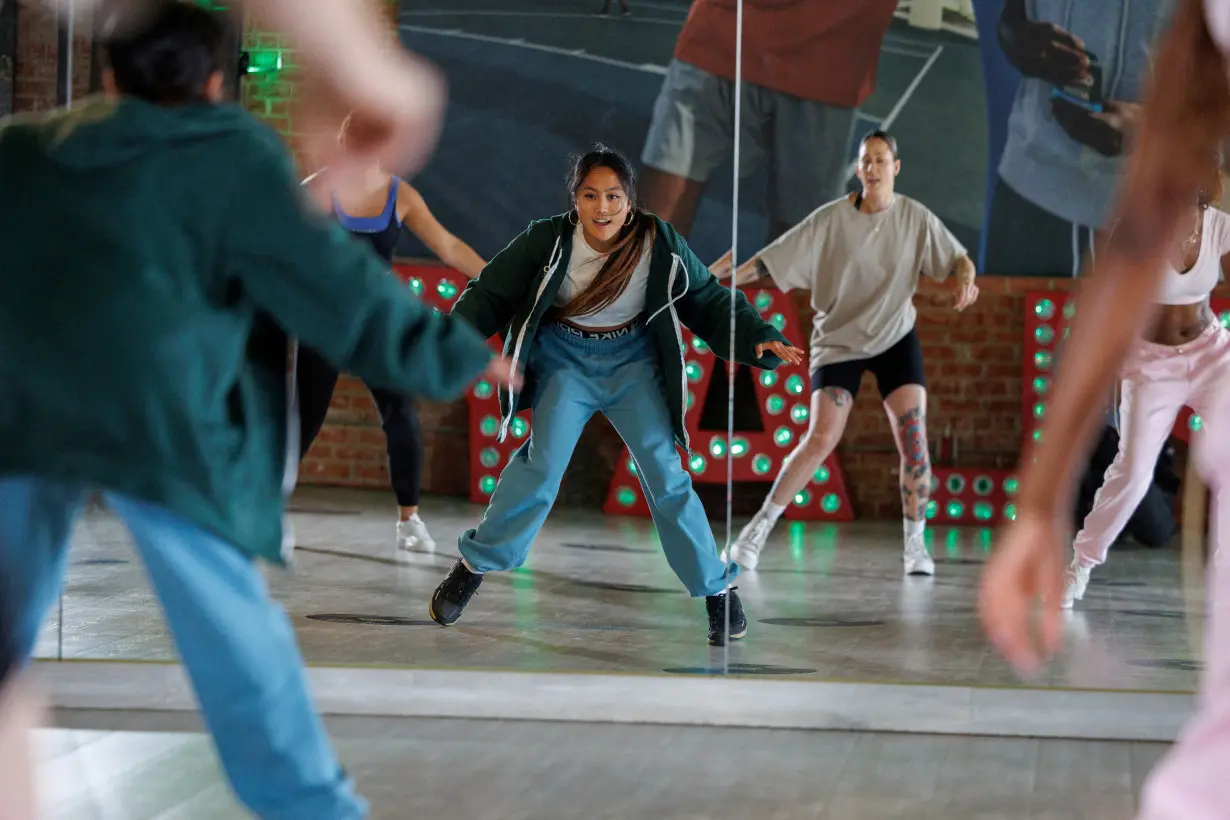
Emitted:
<point x="490" y="770"/>
<point x="828" y="602"/>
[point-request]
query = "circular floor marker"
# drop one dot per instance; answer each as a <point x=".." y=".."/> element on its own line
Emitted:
<point x="628" y="588"/>
<point x="1175" y="664"/>
<point x="1173" y="614"/>
<point x="607" y="548"/>
<point x="739" y="669"/>
<point x="371" y="620"/>
<point x="821" y="623"/>
<point x="99" y="562"/>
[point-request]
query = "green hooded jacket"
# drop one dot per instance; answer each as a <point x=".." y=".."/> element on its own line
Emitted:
<point x="517" y="287"/>
<point x="153" y="261"/>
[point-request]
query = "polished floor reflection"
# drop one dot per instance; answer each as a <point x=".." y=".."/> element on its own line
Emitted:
<point x="827" y="602"/>
<point x="545" y="771"/>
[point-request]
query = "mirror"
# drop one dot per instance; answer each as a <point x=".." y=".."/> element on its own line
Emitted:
<point x="994" y="159"/>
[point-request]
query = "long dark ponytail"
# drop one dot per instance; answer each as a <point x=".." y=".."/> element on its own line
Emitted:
<point x="635" y="238"/>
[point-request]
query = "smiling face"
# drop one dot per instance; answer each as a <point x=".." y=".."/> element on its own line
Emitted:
<point x="877" y="167"/>
<point x="602" y="207"/>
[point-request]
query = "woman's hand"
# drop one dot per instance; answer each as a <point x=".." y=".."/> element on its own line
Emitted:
<point x="1108" y="132"/>
<point x="967" y="293"/>
<point x="1044" y="51"/>
<point x="1025" y="572"/>
<point x="503" y="371"/>
<point x="783" y="351"/>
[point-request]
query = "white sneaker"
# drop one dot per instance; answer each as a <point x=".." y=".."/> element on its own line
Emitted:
<point x="916" y="558"/>
<point x="412" y="534"/>
<point x="1075" y="581"/>
<point x="747" y="547"/>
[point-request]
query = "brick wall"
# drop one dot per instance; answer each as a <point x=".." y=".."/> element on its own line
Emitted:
<point x="973" y="366"/>
<point x="36" y="80"/>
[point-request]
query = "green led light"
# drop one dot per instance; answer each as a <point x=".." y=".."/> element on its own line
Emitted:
<point x="831" y="503"/>
<point x="1042" y="360"/>
<point x="489" y="457"/>
<point x="775" y="405"/>
<point x="1044" y="334"/>
<point x="482" y="390"/>
<point x="489" y="426"/>
<point x="802" y="498"/>
<point x="821" y="476"/>
<point x="625" y="496"/>
<point x="632" y="466"/>
<point x="416" y="286"/>
<point x="694" y="372"/>
<point x="768" y="378"/>
<point x="1067" y="331"/>
<point x="691" y="399"/>
<point x="1042" y="385"/>
<point x="1069" y="309"/>
<point x="738" y="446"/>
<point x="955" y="509"/>
<point x="761" y="464"/>
<point x="1011" y="486"/>
<point x="799" y="413"/>
<point x="932" y="509"/>
<point x="778" y="321"/>
<point x="698" y="345"/>
<point x="447" y="290"/>
<point x="520" y="427"/>
<point x="486" y="484"/>
<point x="983" y="485"/>
<point x="1045" y="309"/>
<point x="1039" y="410"/>
<point x="783" y="436"/>
<point x="1224" y="318"/>
<point x="1010" y="512"/>
<point x="717" y="447"/>
<point x="983" y="511"/>
<point x="697" y="464"/>
<point x="764" y="300"/>
<point x="935" y="484"/>
<point x="1195" y="422"/>
<point x="1037" y="435"/>
<point x="264" y="61"/>
<point x="955" y="483"/>
<point x="794" y="384"/>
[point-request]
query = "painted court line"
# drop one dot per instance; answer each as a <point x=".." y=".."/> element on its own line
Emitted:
<point x="553" y="15"/>
<point x="895" y="112"/>
<point x="579" y="53"/>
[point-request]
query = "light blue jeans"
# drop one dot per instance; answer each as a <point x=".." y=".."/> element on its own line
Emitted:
<point x="575" y="378"/>
<point x="237" y="645"/>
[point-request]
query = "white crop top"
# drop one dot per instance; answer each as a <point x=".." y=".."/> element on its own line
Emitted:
<point x="1195" y="285"/>
<point x="583" y="266"/>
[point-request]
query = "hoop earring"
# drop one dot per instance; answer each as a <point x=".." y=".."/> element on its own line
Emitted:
<point x="573" y="217"/>
<point x="630" y="218"/>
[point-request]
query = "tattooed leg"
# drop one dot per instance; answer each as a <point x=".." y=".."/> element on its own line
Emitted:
<point x="830" y="408"/>
<point x="915" y="464"/>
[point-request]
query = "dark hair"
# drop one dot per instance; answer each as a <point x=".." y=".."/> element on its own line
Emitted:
<point x="885" y="137"/>
<point x="635" y="238"/>
<point x="167" y="54"/>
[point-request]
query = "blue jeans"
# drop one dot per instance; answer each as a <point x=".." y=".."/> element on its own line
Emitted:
<point x="237" y="645"/>
<point x="575" y="378"/>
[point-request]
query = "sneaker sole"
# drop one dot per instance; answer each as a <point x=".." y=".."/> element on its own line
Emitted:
<point x="431" y="610"/>
<point x="738" y="637"/>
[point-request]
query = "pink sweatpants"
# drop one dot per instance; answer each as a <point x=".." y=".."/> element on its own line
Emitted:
<point x="1192" y="782"/>
<point x="1157" y="382"/>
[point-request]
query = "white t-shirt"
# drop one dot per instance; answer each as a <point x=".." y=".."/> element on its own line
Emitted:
<point x="862" y="271"/>
<point x="1195" y="285"/>
<point x="583" y="266"/>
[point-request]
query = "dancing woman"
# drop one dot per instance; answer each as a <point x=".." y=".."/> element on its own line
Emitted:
<point x="1186" y="117"/>
<point x="592" y="301"/>
<point x="375" y="210"/>
<point x="1185" y="349"/>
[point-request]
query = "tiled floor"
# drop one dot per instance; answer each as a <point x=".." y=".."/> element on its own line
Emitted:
<point x="828" y="601"/>
<point x="472" y="770"/>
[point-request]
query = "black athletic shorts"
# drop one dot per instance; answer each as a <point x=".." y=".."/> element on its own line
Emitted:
<point x="896" y="367"/>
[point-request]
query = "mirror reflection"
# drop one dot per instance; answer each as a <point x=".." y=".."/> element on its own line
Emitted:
<point x="885" y="153"/>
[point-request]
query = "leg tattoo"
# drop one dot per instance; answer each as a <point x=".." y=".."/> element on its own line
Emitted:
<point x="915" y="464"/>
<point x="840" y="396"/>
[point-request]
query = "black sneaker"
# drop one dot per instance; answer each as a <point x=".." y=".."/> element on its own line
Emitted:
<point x="450" y="598"/>
<point x="716" y="604"/>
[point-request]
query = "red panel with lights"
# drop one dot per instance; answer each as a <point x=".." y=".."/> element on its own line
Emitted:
<point x="783" y="396"/>
<point x="981" y="498"/>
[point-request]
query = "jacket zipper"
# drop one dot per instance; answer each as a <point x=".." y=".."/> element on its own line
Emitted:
<point x="552" y="263"/>
<point x="683" y="363"/>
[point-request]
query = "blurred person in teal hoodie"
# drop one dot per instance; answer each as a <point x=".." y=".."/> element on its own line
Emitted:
<point x="154" y="243"/>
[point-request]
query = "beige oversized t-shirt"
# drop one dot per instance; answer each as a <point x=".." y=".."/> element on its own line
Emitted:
<point x="862" y="271"/>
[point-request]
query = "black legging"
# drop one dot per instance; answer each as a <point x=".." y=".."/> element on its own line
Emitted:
<point x="399" y="417"/>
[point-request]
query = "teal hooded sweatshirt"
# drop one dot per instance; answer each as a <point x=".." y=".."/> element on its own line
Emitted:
<point x="148" y="255"/>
